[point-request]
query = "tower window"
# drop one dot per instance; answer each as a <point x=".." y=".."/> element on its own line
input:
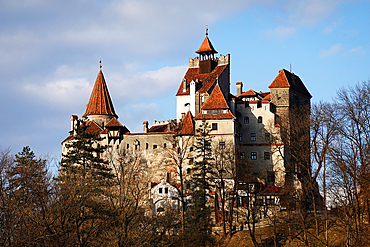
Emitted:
<point x="222" y="145"/>
<point x="242" y="155"/>
<point x="214" y="126"/>
<point x="147" y="145"/>
<point x="253" y="136"/>
<point x="128" y="146"/>
<point x="160" y="190"/>
<point x="155" y="146"/>
<point x="164" y="145"/>
<point x="259" y="119"/>
<point x="246" y="120"/>
<point x="266" y="155"/>
<point x="240" y="137"/>
<point x="267" y="136"/>
<point x="253" y="155"/>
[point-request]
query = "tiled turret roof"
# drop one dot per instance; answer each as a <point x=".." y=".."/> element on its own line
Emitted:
<point x="187" y="125"/>
<point x="100" y="102"/>
<point x="285" y="79"/>
<point x="206" y="47"/>
<point x="216" y="100"/>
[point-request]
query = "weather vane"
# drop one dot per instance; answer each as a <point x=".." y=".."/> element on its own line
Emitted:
<point x="206" y="29"/>
<point x="100" y="64"/>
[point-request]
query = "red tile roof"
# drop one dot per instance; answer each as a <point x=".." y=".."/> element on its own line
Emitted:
<point x="285" y="79"/>
<point x="159" y="128"/>
<point x="187" y="126"/>
<point x="113" y="123"/>
<point x="93" y="127"/>
<point x="228" y="115"/>
<point x="205" y="80"/>
<point x="100" y="102"/>
<point x="206" y="47"/>
<point x="216" y="100"/>
<point x="249" y="93"/>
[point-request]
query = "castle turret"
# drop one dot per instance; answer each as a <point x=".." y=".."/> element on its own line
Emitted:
<point x="100" y="107"/>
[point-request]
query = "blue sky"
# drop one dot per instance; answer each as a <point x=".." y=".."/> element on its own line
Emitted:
<point x="50" y="50"/>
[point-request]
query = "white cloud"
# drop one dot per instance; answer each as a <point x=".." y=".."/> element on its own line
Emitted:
<point x="357" y="50"/>
<point x="330" y="52"/>
<point x="330" y="28"/>
<point x="281" y="32"/>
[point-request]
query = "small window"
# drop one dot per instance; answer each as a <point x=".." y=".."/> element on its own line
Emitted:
<point x="242" y="155"/>
<point x="222" y="145"/>
<point x="173" y="145"/>
<point x="253" y="155"/>
<point x="188" y="171"/>
<point x="246" y="120"/>
<point x="267" y="136"/>
<point x="147" y="145"/>
<point x="259" y="119"/>
<point x="128" y="146"/>
<point x="266" y="155"/>
<point x="240" y="137"/>
<point x="160" y="190"/>
<point x="191" y="149"/>
<point x="246" y="104"/>
<point x="214" y="126"/>
<point x="253" y="136"/>
<point x="164" y="145"/>
<point x="117" y="146"/>
<point x="166" y="190"/>
<point x="259" y="104"/>
<point x="207" y="145"/>
<point x="155" y="146"/>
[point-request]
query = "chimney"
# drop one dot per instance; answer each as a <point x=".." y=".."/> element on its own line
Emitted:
<point x="74" y="124"/>
<point x="145" y="127"/>
<point x="239" y="88"/>
<point x="184" y="85"/>
<point x="233" y="105"/>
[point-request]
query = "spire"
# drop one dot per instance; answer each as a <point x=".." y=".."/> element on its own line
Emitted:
<point x="100" y="102"/>
<point x="206" y="48"/>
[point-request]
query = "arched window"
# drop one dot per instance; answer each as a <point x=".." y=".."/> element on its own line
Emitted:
<point x="259" y="119"/>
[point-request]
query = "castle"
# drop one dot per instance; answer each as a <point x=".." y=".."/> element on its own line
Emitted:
<point x="256" y="124"/>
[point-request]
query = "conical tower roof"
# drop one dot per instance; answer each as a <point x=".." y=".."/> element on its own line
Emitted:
<point x="206" y="47"/>
<point x="100" y="102"/>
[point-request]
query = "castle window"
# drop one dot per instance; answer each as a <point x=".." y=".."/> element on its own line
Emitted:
<point x="222" y="145"/>
<point x="246" y="104"/>
<point x="242" y="155"/>
<point x="147" y="145"/>
<point x="266" y="155"/>
<point x="191" y="161"/>
<point x="246" y="120"/>
<point x="164" y="145"/>
<point x="166" y="190"/>
<point x="191" y="149"/>
<point x="128" y="146"/>
<point x="253" y="136"/>
<point x="259" y="119"/>
<point x="259" y="104"/>
<point x="253" y="155"/>
<point x="160" y="190"/>
<point x="240" y="137"/>
<point x="214" y="126"/>
<point x="267" y="136"/>
<point x="155" y="146"/>
<point x="188" y="171"/>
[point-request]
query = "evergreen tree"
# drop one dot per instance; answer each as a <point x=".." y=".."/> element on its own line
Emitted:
<point x="27" y="198"/>
<point x="201" y="181"/>
<point x="85" y="179"/>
